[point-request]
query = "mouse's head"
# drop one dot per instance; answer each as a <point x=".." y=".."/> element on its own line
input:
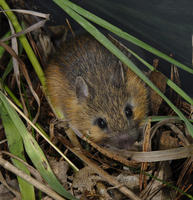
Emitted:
<point x="112" y="110"/>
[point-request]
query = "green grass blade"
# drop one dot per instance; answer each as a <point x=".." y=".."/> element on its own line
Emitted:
<point x="101" y="22"/>
<point x="34" y="151"/>
<point x="113" y="49"/>
<point x="178" y="90"/>
<point x="2" y="50"/>
<point x="160" y="118"/>
<point x="7" y="70"/>
<point x="34" y="61"/>
<point x="170" y="83"/>
<point x="10" y="93"/>
<point x="15" y="144"/>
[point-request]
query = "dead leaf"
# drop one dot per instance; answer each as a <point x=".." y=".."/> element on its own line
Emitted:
<point x="85" y="179"/>
<point x="167" y="141"/>
<point x="160" y="81"/>
<point x="156" y="189"/>
<point x="131" y="181"/>
<point x="60" y="169"/>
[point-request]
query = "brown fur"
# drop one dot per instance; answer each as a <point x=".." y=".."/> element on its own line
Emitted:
<point x="109" y="91"/>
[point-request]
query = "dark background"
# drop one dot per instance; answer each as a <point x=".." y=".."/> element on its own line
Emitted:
<point x="166" y="25"/>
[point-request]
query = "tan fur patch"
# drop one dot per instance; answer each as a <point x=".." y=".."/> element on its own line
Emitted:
<point x="139" y="94"/>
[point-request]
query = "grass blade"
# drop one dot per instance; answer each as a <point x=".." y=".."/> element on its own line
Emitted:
<point x="170" y="83"/>
<point x="34" y="61"/>
<point x="120" y="33"/>
<point x="113" y="49"/>
<point x="34" y="151"/>
<point x="15" y="144"/>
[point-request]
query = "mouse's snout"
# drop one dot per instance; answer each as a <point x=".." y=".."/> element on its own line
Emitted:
<point x="123" y="140"/>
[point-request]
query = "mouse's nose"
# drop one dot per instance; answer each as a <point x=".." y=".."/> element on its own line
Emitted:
<point x="125" y="140"/>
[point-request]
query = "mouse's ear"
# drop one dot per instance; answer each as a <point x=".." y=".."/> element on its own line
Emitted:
<point x="81" y="89"/>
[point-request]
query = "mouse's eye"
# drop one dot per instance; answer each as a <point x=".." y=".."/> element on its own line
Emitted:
<point x="128" y="111"/>
<point x="101" y="123"/>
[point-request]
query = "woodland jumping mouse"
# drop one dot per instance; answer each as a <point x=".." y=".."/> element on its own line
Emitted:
<point x="99" y="96"/>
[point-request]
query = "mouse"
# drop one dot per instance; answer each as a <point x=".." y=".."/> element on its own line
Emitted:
<point x="98" y="95"/>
